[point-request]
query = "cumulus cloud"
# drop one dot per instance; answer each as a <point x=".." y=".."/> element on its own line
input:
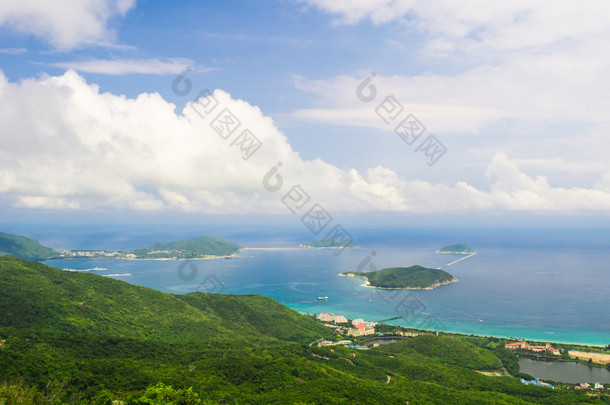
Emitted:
<point x="65" y="145"/>
<point x="83" y="22"/>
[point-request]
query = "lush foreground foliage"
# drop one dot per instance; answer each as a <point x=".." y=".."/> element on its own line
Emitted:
<point x="79" y="338"/>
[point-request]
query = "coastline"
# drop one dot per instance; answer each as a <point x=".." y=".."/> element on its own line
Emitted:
<point x="209" y="257"/>
<point x="367" y="283"/>
<point x="450" y="331"/>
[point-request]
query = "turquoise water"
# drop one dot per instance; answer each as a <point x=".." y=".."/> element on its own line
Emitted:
<point x="542" y="285"/>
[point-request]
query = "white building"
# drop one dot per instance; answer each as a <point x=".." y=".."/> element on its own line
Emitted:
<point x="328" y="317"/>
<point x="598" y="386"/>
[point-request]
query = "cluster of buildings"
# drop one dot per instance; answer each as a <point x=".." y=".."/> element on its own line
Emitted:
<point x="359" y="327"/>
<point x="586" y="386"/>
<point x="537" y="382"/>
<point x="328" y="317"/>
<point x="523" y="345"/>
<point x="325" y="343"/>
<point x="408" y="334"/>
<point x="96" y="254"/>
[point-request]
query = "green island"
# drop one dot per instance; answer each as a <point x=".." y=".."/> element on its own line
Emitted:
<point x="329" y="243"/>
<point x="414" y="277"/>
<point x="459" y="248"/>
<point x="203" y="247"/>
<point x="79" y="338"/>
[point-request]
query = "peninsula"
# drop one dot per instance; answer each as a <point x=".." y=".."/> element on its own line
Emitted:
<point x="413" y="278"/>
<point x="459" y="249"/>
<point x="203" y="247"/>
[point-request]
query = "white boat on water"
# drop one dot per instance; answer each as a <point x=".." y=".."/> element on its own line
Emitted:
<point x="322" y="298"/>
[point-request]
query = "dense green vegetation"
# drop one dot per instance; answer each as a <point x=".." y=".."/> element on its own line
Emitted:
<point x="24" y="248"/>
<point x="189" y="249"/>
<point x="81" y="338"/>
<point x="406" y="277"/>
<point x="458" y="248"/>
<point x="327" y="243"/>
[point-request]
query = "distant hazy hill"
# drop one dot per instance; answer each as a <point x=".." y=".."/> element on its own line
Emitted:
<point x="24" y="248"/>
<point x="458" y="248"/>
<point x="406" y="277"/>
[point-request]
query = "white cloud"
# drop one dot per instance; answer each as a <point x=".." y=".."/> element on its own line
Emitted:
<point x="65" y="145"/>
<point x="83" y="22"/>
<point x="476" y="25"/>
<point x="129" y="66"/>
<point x="13" y="51"/>
<point x="524" y="61"/>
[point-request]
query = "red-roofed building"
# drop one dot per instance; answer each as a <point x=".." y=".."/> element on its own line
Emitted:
<point x="522" y="345"/>
<point x="360" y="330"/>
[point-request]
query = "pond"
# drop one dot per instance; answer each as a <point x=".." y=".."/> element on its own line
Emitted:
<point x="564" y="372"/>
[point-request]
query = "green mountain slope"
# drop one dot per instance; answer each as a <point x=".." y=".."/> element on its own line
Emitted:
<point x="406" y="277"/>
<point x="24" y="248"/>
<point x="139" y="345"/>
<point x="81" y="302"/>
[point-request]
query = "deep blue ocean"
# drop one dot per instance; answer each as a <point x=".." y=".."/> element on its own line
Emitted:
<point x="544" y="284"/>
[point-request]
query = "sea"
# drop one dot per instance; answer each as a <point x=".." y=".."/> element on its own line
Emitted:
<point x="543" y="284"/>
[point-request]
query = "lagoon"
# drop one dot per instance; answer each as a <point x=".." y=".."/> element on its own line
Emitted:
<point x="565" y="372"/>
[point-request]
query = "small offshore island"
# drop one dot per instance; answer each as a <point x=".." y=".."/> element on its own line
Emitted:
<point x="411" y="278"/>
<point x="459" y="249"/>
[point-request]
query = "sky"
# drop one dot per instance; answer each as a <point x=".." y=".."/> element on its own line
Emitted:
<point x="285" y="108"/>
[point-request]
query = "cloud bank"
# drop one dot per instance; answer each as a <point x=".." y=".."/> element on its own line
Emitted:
<point x="65" y="145"/>
<point x="65" y="27"/>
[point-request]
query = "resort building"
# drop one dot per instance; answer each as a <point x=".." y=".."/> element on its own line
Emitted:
<point x="523" y="345"/>
<point x="328" y="317"/>
<point x="360" y="330"/>
<point x="331" y="343"/>
<point x="407" y="334"/>
<point x="598" y="386"/>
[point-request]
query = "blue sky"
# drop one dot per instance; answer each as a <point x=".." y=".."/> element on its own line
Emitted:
<point x="510" y="102"/>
